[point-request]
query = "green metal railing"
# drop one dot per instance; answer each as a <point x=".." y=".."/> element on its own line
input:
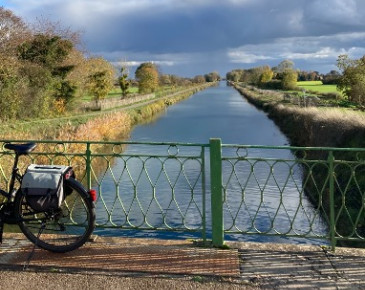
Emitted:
<point x="316" y="193"/>
<point x="215" y="189"/>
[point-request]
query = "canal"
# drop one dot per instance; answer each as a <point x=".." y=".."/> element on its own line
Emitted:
<point x="217" y="112"/>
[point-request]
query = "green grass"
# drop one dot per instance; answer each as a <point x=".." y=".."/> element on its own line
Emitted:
<point x="113" y="93"/>
<point x="317" y="86"/>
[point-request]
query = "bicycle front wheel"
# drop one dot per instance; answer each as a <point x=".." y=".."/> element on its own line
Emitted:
<point x="61" y="230"/>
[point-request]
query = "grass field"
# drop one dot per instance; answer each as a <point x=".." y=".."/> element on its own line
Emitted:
<point x="317" y="86"/>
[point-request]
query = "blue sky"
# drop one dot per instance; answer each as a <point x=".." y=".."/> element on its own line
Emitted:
<point x="191" y="37"/>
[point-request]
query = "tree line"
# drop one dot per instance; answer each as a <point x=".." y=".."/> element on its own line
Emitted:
<point x="350" y="80"/>
<point x="44" y="71"/>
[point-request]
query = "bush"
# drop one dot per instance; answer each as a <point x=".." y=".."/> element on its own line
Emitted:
<point x="289" y="80"/>
<point x="271" y="85"/>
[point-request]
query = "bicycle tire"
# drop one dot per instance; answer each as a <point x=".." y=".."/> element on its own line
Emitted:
<point x="65" y="231"/>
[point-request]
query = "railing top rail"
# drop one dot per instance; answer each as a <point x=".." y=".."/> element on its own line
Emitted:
<point x="237" y="146"/>
<point x="107" y="142"/>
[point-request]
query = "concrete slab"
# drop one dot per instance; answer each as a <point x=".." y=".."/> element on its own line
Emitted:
<point x="294" y="266"/>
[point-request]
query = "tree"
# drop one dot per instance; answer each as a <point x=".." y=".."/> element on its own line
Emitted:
<point x="165" y="80"/>
<point x="286" y="64"/>
<point x="266" y="74"/>
<point x="212" y="77"/>
<point x="13" y="31"/>
<point x="11" y="87"/>
<point x="99" y="85"/>
<point x="147" y="77"/>
<point x="37" y="67"/>
<point x="199" y="79"/>
<point x="332" y="78"/>
<point x="49" y="53"/>
<point x="124" y="83"/>
<point x="352" y="82"/>
<point x="289" y="79"/>
<point x="234" y="75"/>
<point x="175" y="80"/>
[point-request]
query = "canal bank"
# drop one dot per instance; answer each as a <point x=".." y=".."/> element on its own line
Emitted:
<point x="111" y="124"/>
<point x="311" y="126"/>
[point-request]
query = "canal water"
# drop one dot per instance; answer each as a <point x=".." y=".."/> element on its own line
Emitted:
<point x="220" y="112"/>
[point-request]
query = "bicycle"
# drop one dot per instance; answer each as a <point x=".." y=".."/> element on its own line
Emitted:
<point x="57" y="230"/>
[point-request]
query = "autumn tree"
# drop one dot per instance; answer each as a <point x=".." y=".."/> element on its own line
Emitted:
<point x="234" y="75"/>
<point x="266" y="74"/>
<point x="165" y="80"/>
<point x="99" y="85"/>
<point x="289" y="79"/>
<point x="199" y="79"/>
<point x="13" y="31"/>
<point x="147" y="77"/>
<point x="212" y="77"/>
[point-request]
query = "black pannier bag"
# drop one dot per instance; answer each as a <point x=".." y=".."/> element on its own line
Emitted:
<point x="43" y="187"/>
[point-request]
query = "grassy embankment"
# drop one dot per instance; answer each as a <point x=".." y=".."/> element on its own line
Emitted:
<point x="101" y="125"/>
<point x="310" y="126"/>
<point x="324" y="127"/>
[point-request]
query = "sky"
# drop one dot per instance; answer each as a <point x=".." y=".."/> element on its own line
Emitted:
<point x="195" y="37"/>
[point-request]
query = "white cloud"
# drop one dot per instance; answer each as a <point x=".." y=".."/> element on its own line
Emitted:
<point x="324" y="52"/>
<point x="137" y="63"/>
<point x="309" y="48"/>
<point x="240" y="56"/>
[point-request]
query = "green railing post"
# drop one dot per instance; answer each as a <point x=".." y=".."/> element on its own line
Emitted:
<point x="88" y="165"/>
<point x="216" y="192"/>
<point x="332" y="199"/>
<point x="204" y="221"/>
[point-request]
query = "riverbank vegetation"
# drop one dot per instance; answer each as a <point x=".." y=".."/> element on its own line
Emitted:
<point x="345" y="89"/>
<point x="113" y="125"/>
<point x="45" y="72"/>
<point x="319" y="126"/>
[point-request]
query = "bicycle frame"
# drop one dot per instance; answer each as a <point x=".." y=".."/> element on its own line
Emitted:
<point x="15" y="176"/>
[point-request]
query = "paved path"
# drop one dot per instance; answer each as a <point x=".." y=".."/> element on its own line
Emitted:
<point x="126" y="263"/>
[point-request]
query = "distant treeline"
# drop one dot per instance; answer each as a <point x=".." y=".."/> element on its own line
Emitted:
<point x="351" y="80"/>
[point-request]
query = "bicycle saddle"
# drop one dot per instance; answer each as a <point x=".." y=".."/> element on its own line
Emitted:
<point x="21" y="148"/>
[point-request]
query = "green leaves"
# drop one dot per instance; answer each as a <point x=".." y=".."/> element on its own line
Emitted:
<point x="99" y="85"/>
<point x="352" y="82"/>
